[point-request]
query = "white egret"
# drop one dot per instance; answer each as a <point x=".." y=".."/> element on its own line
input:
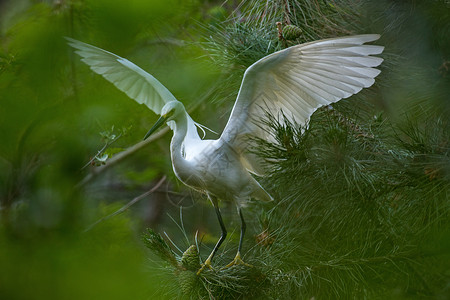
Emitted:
<point x="296" y="81"/>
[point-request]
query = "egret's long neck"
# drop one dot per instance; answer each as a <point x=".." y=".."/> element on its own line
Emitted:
<point x="179" y="134"/>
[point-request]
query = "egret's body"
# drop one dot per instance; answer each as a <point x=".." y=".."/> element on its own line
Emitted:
<point x="294" y="81"/>
<point x="216" y="169"/>
<point x="209" y="166"/>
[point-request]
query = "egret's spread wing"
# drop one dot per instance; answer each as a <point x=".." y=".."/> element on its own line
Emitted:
<point x="126" y="76"/>
<point x="297" y="81"/>
<point x="130" y="79"/>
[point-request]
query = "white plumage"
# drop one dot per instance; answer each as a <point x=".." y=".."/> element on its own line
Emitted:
<point x="295" y="81"/>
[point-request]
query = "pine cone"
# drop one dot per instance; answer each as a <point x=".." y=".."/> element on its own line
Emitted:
<point x="188" y="281"/>
<point x="190" y="259"/>
<point x="291" y="32"/>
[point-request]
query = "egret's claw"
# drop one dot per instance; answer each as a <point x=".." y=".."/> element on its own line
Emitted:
<point x="237" y="261"/>
<point x="206" y="264"/>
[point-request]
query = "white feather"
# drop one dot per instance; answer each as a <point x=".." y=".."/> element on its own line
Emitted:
<point x="130" y="79"/>
<point x="297" y="81"/>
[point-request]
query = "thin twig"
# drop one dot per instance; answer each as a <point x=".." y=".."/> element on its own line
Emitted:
<point x="280" y="34"/>
<point x="107" y="144"/>
<point x="286" y="12"/>
<point x="126" y="206"/>
<point x="182" y="225"/>
<point x="121" y="156"/>
<point x="173" y="244"/>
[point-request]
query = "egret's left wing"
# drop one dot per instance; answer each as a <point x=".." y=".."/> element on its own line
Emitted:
<point x="130" y="79"/>
<point x="297" y="81"/>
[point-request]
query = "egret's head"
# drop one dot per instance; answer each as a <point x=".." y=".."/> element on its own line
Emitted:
<point x="169" y="112"/>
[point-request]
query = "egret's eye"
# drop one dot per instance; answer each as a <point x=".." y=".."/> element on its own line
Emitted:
<point x="169" y="114"/>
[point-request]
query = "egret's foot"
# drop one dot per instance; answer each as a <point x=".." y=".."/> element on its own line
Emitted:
<point x="206" y="264"/>
<point x="237" y="261"/>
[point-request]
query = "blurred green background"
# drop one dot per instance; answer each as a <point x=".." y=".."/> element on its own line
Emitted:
<point x="56" y="114"/>
<point x="52" y="115"/>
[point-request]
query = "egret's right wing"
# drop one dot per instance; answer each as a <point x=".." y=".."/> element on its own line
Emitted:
<point x="126" y="76"/>
<point x="297" y="81"/>
<point x="130" y="79"/>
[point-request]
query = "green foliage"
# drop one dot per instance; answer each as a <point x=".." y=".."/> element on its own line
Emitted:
<point x="226" y="283"/>
<point x="156" y="243"/>
<point x="60" y="262"/>
<point x="361" y="211"/>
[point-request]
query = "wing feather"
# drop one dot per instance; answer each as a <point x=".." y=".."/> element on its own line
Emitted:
<point x="130" y="79"/>
<point x="126" y="76"/>
<point x="297" y="81"/>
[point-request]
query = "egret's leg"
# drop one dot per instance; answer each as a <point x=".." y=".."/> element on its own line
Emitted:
<point x="237" y="259"/>
<point x="207" y="262"/>
<point x="243" y="228"/>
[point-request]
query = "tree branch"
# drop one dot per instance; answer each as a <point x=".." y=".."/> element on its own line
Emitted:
<point x="121" y="156"/>
<point x="126" y="206"/>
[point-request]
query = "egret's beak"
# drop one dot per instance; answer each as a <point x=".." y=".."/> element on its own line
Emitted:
<point x="158" y="124"/>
